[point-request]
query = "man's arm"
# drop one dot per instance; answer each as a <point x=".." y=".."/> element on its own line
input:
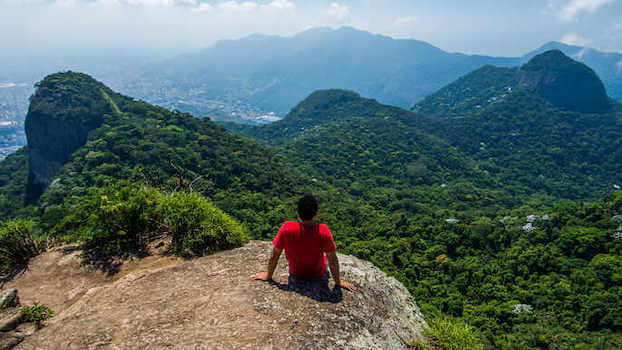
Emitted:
<point x="333" y="264"/>
<point x="272" y="262"/>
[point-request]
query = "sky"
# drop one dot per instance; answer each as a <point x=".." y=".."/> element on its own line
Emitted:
<point x="502" y="28"/>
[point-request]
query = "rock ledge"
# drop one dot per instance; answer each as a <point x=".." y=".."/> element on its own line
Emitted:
<point x="211" y="302"/>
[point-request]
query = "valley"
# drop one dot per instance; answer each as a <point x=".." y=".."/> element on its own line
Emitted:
<point x="493" y="201"/>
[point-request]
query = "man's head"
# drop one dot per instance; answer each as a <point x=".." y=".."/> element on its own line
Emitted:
<point x="307" y="208"/>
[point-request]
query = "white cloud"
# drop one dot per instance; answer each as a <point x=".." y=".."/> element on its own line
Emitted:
<point x="338" y="10"/>
<point x="280" y="4"/>
<point x="238" y="6"/>
<point x="576" y="40"/>
<point x="575" y="7"/>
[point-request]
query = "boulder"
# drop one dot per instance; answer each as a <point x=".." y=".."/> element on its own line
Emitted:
<point x="9" y="299"/>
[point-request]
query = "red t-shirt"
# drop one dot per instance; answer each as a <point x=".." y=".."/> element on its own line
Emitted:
<point x="304" y="247"/>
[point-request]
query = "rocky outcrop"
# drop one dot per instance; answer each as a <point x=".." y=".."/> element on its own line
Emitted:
<point x="12" y="330"/>
<point x="564" y="82"/>
<point x="65" y="108"/>
<point x="212" y="303"/>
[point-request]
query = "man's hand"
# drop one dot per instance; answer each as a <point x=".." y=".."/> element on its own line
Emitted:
<point x="333" y="264"/>
<point x="274" y="259"/>
<point x="347" y="286"/>
<point x="262" y="276"/>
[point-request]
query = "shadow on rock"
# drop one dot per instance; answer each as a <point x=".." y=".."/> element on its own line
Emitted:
<point x="109" y="264"/>
<point x="316" y="289"/>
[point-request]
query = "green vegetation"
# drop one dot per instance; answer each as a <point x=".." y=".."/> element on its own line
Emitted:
<point x="449" y="334"/>
<point x="37" y="313"/>
<point x="563" y="82"/>
<point x="197" y="227"/>
<point x="13" y="178"/>
<point x="470" y="93"/>
<point x="480" y="214"/>
<point x="17" y="244"/>
<point x="114" y="220"/>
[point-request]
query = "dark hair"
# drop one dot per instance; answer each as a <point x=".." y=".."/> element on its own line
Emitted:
<point x="307" y="207"/>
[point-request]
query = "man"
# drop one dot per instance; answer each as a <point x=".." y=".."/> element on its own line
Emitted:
<point x="305" y="244"/>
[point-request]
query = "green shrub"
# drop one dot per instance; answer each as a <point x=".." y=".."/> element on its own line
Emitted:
<point x="449" y="334"/>
<point x="36" y="313"/>
<point x="197" y="226"/>
<point x="17" y="245"/>
<point x="113" y="220"/>
<point x="116" y="220"/>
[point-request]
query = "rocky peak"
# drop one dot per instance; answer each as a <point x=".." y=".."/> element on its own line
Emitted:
<point x="211" y="302"/>
<point x="565" y="82"/>
<point x="63" y="110"/>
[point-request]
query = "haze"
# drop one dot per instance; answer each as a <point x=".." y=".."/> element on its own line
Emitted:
<point x="169" y="27"/>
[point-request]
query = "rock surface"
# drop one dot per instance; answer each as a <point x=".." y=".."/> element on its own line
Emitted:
<point x="211" y="302"/>
<point x="9" y="298"/>
<point x="564" y="82"/>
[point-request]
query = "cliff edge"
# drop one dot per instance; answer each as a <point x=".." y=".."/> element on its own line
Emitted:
<point x="211" y="302"/>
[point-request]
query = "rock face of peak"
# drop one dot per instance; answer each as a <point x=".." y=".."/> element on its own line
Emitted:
<point x="63" y="110"/>
<point x="211" y="302"/>
<point x="564" y="82"/>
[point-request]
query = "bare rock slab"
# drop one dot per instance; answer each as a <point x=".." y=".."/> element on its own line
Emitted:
<point x="212" y="303"/>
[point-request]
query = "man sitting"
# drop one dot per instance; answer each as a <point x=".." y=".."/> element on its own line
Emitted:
<point x="305" y="244"/>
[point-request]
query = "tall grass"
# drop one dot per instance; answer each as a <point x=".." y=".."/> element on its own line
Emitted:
<point x="17" y="245"/>
<point x="446" y="333"/>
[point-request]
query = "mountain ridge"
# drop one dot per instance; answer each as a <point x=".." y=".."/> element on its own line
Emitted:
<point x="281" y="71"/>
<point x="471" y="213"/>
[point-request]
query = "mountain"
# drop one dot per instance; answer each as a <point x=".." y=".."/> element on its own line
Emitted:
<point x="608" y="65"/>
<point x="271" y="73"/>
<point x="564" y="82"/>
<point x="477" y="218"/>
<point x="243" y="80"/>
<point x="62" y="113"/>
<point x="495" y="128"/>
<point x="356" y="143"/>
<point x="81" y="134"/>
<point x="557" y="78"/>
<point x="481" y="215"/>
<point x="534" y="119"/>
<point x="274" y="73"/>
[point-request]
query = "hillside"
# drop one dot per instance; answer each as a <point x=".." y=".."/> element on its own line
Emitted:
<point x="212" y="302"/>
<point x="135" y="141"/>
<point x="476" y="237"/>
<point x="557" y="78"/>
<point x="605" y="64"/>
<point x="564" y="82"/>
<point x="242" y="80"/>
<point x="491" y="233"/>
<point x="522" y="120"/>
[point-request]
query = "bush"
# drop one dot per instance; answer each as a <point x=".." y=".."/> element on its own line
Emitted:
<point x="36" y="313"/>
<point x="198" y="227"/>
<point x="17" y="245"/>
<point x="449" y="334"/>
<point x="119" y="220"/>
<point x="113" y="220"/>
